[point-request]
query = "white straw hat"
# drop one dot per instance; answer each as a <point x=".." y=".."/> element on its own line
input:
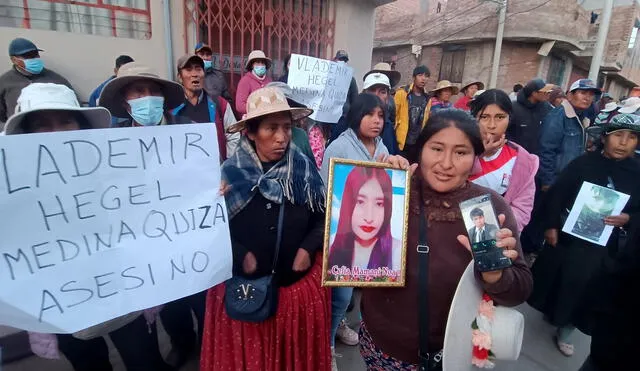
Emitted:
<point x="630" y="105"/>
<point x="47" y="96"/>
<point x="376" y="78"/>
<point x="507" y="327"/>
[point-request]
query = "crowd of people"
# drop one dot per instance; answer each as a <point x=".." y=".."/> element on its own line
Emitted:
<point x="531" y="150"/>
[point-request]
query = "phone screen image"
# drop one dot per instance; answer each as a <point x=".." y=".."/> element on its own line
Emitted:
<point x="481" y="222"/>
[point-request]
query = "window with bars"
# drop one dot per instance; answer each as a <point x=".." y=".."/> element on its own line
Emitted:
<point x="116" y="18"/>
<point x="452" y="65"/>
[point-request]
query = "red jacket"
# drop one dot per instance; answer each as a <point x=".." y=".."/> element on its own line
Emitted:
<point x="463" y="103"/>
<point x="247" y="85"/>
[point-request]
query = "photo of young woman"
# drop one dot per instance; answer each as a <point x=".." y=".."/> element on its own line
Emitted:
<point x="363" y="244"/>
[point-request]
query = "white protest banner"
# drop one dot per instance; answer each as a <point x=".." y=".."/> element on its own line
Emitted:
<point x="100" y="223"/>
<point x="321" y="85"/>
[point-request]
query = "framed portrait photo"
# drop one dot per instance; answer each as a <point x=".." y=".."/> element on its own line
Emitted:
<point x="365" y="234"/>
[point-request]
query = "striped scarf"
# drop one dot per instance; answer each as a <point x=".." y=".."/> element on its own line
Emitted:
<point x="294" y="177"/>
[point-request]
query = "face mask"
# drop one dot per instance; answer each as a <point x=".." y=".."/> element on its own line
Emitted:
<point x="260" y="70"/>
<point x="33" y="65"/>
<point x="147" y="111"/>
<point x="207" y="65"/>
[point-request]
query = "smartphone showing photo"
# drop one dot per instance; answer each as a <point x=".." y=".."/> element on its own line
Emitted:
<point x="481" y="222"/>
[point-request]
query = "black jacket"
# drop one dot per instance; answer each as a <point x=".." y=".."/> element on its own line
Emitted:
<point x="525" y="121"/>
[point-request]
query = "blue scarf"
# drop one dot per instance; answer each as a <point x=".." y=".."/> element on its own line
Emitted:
<point x="294" y="177"/>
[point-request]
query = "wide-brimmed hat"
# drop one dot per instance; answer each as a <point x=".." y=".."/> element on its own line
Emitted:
<point x="385" y="69"/>
<point x="288" y="93"/>
<point x="255" y="55"/>
<point x="266" y="101"/>
<point x="444" y="84"/>
<point x="46" y="96"/>
<point x="630" y="105"/>
<point x="467" y="85"/>
<point x="610" y="107"/>
<point x="112" y="98"/>
<point x="506" y="328"/>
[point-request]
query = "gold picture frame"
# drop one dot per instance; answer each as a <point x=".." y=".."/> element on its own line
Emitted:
<point x="383" y="262"/>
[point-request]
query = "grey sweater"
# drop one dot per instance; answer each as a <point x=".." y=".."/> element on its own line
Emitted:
<point x="11" y="84"/>
<point x="349" y="147"/>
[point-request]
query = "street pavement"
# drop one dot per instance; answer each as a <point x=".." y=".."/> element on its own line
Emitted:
<point x="538" y="352"/>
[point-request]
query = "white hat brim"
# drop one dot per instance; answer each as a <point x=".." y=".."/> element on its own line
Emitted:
<point x="457" y="349"/>
<point x="98" y="117"/>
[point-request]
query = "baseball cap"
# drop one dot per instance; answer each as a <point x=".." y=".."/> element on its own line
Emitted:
<point x="585" y="84"/>
<point x="376" y="78"/>
<point x="201" y="45"/>
<point x="185" y="59"/>
<point x="22" y="46"/>
<point x="342" y="55"/>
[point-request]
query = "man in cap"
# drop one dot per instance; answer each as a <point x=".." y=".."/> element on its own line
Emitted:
<point x="530" y="107"/>
<point x="343" y="57"/>
<point x="394" y="78"/>
<point x="215" y="83"/>
<point x="412" y="112"/>
<point x="198" y="106"/>
<point x="27" y="68"/>
<point x="562" y="136"/>
<point x="93" y="99"/>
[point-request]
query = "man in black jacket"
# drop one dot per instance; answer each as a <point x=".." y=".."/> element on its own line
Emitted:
<point x="529" y="109"/>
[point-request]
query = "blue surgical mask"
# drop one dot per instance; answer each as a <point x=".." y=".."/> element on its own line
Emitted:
<point x="148" y="110"/>
<point x="260" y="70"/>
<point x="207" y="65"/>
<point x="33" y="65"/>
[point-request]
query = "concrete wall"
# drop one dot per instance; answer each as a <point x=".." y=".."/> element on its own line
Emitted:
<point x="87" y="60"/>
<point x="354" y="33"/>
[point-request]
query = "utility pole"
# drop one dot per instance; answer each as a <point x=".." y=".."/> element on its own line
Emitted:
<point x="493" y="81"/>
<point x="598" y="50"/>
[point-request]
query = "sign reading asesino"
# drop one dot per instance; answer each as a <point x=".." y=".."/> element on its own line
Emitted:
<point x="100" y="223"/>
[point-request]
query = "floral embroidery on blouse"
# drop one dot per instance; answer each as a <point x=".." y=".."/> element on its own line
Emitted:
<point x="317" y="142"/>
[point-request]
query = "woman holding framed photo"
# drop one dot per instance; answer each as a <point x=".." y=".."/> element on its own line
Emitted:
<point x="397" y="326"/>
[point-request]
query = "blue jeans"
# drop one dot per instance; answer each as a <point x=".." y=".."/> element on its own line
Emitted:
<point x="340" y="298"/>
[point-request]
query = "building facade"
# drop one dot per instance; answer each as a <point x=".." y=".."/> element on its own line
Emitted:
<point x="81" y="39"/>
<point x="552" y="39"/>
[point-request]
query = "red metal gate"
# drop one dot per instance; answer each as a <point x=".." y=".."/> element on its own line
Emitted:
<point x="233" y="28"/>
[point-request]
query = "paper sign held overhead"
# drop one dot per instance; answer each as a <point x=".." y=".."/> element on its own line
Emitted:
<point x="101" y="223"/>
<point x="321" y="85"/>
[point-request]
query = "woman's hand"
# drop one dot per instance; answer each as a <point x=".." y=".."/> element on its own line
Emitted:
<point x="250" y="264"/>
<point x="617" y="220"/>
<point x="551" y="237"/>
<point x="504" y="240"/>
<point x="491" y="145"/>
<point x="224" y="188"/>
<point x="302" y="261"/>
<point x="398" y="162"/>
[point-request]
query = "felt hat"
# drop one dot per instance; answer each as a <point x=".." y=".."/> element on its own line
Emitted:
<point x="267" y="101"/>
<point x="630" y="105"/>
<point x="46" y="96"/>
<point x="506" y="329"/>
<point x="445" y="84"/>
<point x="467" y="85"/>
<point x="112" y="96"/>
<point x="385" y="69"/>
<point x="256" y="55"/>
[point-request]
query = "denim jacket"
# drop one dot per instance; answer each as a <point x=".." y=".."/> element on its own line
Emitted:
<point x="562" y="139"/>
